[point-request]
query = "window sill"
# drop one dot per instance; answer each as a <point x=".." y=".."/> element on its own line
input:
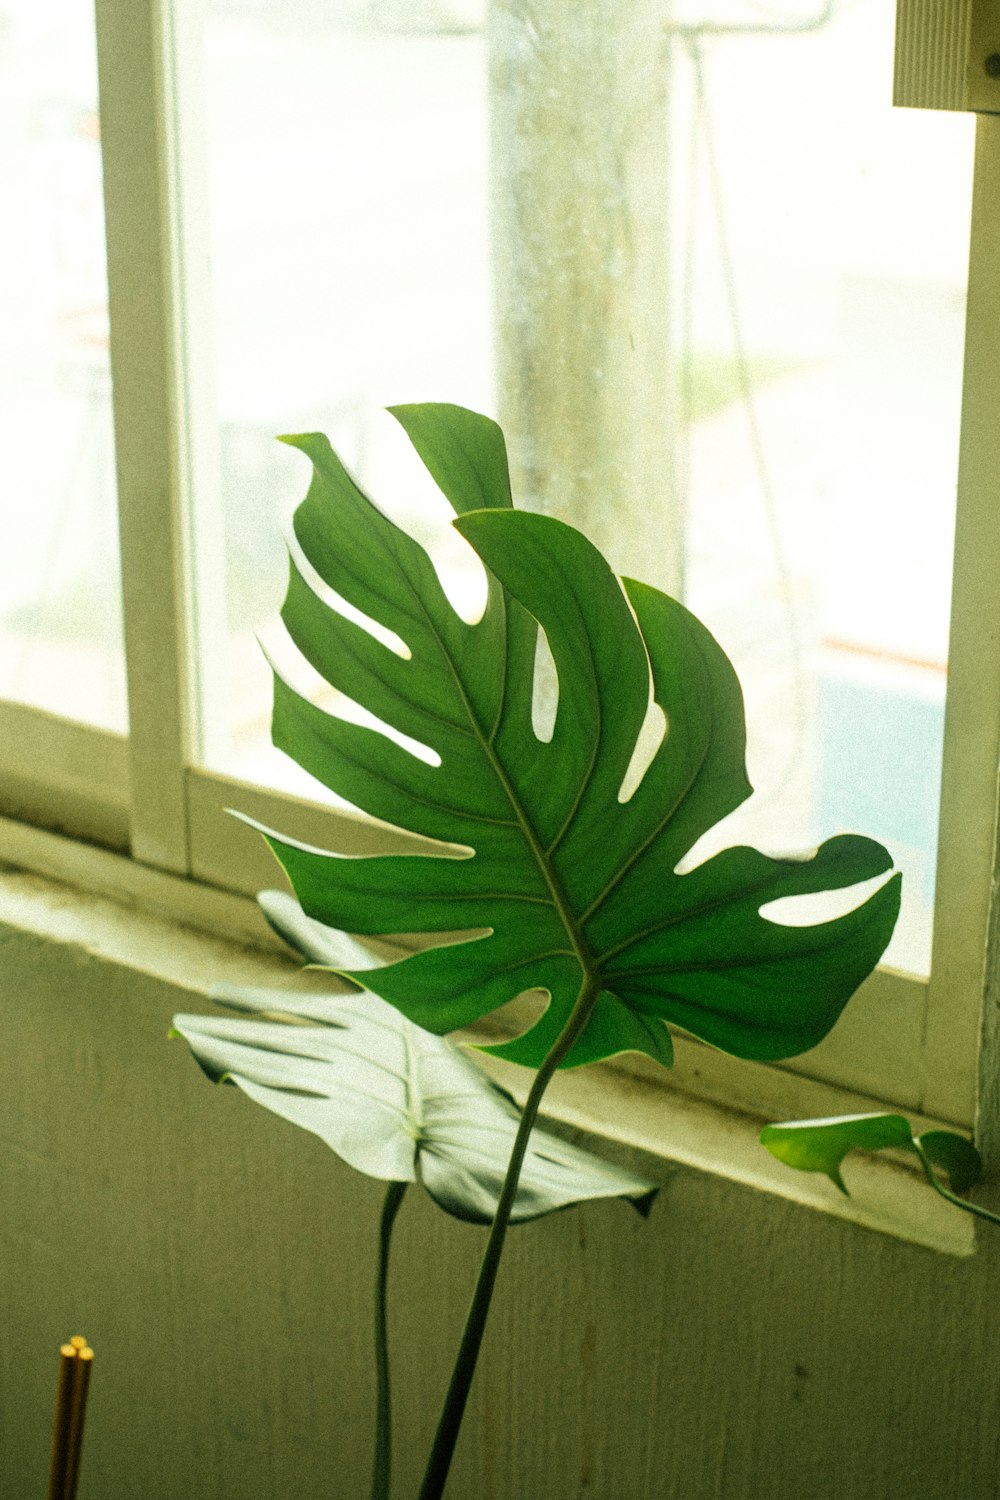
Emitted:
<point x="657" y="1125"/>
<point x="148" y="922"/>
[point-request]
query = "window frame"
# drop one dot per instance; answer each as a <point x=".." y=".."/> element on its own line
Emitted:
<point x="909" y="1041"/>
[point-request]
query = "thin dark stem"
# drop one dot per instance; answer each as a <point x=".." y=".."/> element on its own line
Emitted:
<point x="970" y="1208"/>
<point x="382" y="1470"/>
<point x="475" y="1324"/>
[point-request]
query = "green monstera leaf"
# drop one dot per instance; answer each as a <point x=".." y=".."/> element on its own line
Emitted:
<point x="558" y="879"/>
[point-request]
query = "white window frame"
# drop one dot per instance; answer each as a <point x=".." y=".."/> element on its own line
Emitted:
<point x="903" y="1040"/>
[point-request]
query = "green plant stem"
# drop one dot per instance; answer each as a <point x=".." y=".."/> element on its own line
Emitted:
<point x="382" y="1470"/>
<point x="970" y="1208"/>
<point x="475" y="1324"/>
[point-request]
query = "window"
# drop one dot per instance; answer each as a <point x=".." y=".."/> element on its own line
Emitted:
<point x="716" y="297"/>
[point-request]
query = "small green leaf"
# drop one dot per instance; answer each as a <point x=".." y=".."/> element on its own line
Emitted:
<point x="390" y="1099"/>
<point x="954" y="1155"/>
<point x="821" y="1145"/>
<point x="552" y="876"/>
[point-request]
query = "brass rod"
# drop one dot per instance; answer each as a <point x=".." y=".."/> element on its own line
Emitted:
<point x="78" y="1406"/>
<point x="60" y="1428"/>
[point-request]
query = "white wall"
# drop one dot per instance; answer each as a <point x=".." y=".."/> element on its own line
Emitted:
<point x="732" y="1346"/>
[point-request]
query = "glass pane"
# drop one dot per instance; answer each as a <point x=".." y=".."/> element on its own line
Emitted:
<point x="347" y="164"/>
<point x="60" y="606"/>
<point x="825" y="245"/>
<point x="714" y="294"/>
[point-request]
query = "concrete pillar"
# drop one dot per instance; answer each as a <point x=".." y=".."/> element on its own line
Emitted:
<point x="579" y="96"/>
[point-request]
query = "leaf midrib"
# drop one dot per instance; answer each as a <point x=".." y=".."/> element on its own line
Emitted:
<point x="574" y="931"/>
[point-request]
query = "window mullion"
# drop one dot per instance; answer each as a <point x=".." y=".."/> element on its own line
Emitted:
<point x="143" y="365"/>
<point x="972" y="723"/>
<point x="159" y="375"/>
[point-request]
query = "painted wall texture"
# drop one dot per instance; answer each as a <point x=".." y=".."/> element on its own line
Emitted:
<point x="732" y="1347"/>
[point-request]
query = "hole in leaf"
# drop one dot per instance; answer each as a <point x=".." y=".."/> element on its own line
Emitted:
<point x="515" y="1017"/>
<point x="461" y="574"/>
<point x="345" y="708"/>
<point x="419" y="942"/>
<point x="728" y="833"/>
<point x="335" y="601"/>
<point x="820" y="906"/>
<point x="651" y="737"/>
<point x="545" y="690"/>
<point x="404" y="491"/>
<point x="286" y="659"/>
